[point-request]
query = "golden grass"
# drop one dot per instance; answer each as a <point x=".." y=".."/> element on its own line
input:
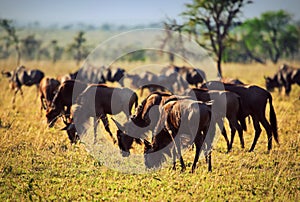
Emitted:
<point x="38" y="163"/>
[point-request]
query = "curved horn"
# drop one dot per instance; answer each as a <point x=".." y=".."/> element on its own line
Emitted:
<point x="65" y="128"/>
<point x="68" y="126"/>
<point x="119" y="126"/>
<point x="147" y="144"/>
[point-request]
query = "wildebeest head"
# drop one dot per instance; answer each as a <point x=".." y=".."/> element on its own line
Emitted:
<point x="6" y="74"/>
<point x="271" y="83"/>
<point x="52" y="115"/>
<point x="72" y="133"/>
<point x="154" y="153"/>
<point x="125" y="141"/>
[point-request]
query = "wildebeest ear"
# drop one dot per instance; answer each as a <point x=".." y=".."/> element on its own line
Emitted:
<point x="119" y="126"/>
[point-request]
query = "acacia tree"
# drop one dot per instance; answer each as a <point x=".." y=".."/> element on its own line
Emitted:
<point x="271" y="36"/>
<point x="209" y="21"/>
<point x="11" y="31"/>
<point x="30" y="47"/>
<point x="77" y="48"/>
<point x="55" y="51"/>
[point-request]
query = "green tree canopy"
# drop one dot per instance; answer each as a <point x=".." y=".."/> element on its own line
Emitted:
<point x="270" y="36"/>
<point x="210" y="21"/>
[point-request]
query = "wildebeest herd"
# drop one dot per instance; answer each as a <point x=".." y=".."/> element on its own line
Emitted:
<point x="176" y="114"/>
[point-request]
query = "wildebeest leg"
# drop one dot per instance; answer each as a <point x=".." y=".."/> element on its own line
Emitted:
<point x="180" y="155"/>
<point x="237" y="126"/>
<point x="42" y="103"/>
<point x="288" y="88"/>
<point x="224" y="133"/>
<point x="178" y="148"/>
<point x="257" y="132"/>
<point x="106" y="125"/>
<point x="208" y="160"/>
<point x="268" y="128"/>
<point x="174" y="158"/>
<point x="14" y="97"/>
<point x="198" y="143"/>
<point x="96" y="122"/>
<point x="232" y="135"/>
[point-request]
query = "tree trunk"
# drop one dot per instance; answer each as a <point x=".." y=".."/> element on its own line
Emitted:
<point x="219" y="68"/>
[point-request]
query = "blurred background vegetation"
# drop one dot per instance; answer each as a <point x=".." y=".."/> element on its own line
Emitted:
<point x="273" y="36"/>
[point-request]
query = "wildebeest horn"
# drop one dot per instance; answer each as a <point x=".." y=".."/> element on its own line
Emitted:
<point x="147" y="144"/>
<point x="119" y="126"/>
<point x="65" y="128"/>
<point x="68" y="126"/>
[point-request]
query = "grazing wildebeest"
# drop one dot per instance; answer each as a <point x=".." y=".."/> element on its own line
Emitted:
<point x="182" y="117"/>
<point x="64" y="98"/>
<point x="145" y="119"/>
<point x="22" y="76"/>
<point x="99" y="100"/>
<point x="48" y="88"/>
<point x="285" y="77"/>
<point x="253" y="101"/>
<point x="193" y="76"/>
<point x="72" y="133"/>
<point x="226" y="104"/>
<point x="173" y="82"/>
<point x="125" y="141"/>
<point x="115" y="75"/>
<point x="100" y="75"/>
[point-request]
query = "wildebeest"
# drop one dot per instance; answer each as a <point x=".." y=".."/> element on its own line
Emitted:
<point x="64" y="98"/>
<point x="253" y="101"/>
<point x="115" y="75"/>
<point x="48" y="88"/>
<point x="182" y="117"/>
<point x="22" y="76"/>
<point x="99" y="75"/>
<point x="193" y="76"/>
<point x="226" y="104"/>
<point x="172" y="82"/>
<point x="143" y="120"/>
<point x="285" y="77"/>
<point x="125" y="141"/>
<point x="99" y="100"/>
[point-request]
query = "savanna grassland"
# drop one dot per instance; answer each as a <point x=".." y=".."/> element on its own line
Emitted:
<point x="38" y="163"/>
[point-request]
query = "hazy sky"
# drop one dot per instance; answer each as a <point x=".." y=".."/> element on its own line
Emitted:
<point x="118" y="11"/>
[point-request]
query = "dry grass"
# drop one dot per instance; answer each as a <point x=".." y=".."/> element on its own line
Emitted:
<point x="38" y="163"/>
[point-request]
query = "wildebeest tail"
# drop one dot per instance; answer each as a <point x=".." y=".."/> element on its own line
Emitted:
<point x="273" y="119"/>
